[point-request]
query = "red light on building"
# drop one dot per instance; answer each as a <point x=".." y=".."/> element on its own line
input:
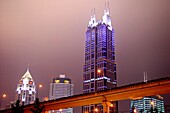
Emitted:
<point x="30" y="82"/>
<point x="20" y="82"/>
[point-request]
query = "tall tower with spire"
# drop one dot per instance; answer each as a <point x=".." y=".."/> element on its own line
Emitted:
<point x="99" y="71"/>
<point x="26" y="89"/>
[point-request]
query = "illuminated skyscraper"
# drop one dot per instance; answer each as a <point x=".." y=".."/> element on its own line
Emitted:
<point x="61" y="87"/>
<point x="99" y="71"/>
<point x="149" y="104"/>
<point x="26" y="89"/>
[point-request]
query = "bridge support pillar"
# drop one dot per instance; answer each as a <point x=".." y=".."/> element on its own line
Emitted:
<point x="106" y="105"/>
<point x="105" y="108"/>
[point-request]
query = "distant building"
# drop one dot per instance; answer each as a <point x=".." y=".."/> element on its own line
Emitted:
<point x="26" y="89"/>
<point x="61" y="87"/>
<point x="148" y="104"/>
<point x="99" y="71"/>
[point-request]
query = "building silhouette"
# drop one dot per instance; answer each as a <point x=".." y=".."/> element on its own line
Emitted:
<point x="148" y="105"/>
<point x="26" y="89"/>
<point x="99" y="71"/>
<point x="61" y="87"/>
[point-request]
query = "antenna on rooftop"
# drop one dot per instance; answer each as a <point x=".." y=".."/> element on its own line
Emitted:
<point x="108" y="7"/>
<point x="105" y="6"/>
<point x="94" y="11"/>
<point x="108" y="4"/>
<point x="145" y="76"/>
<point x="28" y="66"/>
<point x="91" y="12"/>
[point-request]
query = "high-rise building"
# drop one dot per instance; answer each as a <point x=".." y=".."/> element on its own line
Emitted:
<point x="148" y="104"/>
<point x="99" y="71"/>
<point x="61" y="87"/>
<point x="26" y="89"/>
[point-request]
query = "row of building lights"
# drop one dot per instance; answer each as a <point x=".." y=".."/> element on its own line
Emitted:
<point x="97" y="110"/>
<point x="135" y="110"/>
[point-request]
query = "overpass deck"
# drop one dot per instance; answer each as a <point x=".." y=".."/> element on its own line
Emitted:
<point x="131" y="91"/>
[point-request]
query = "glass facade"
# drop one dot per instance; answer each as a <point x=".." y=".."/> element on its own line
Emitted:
<point x="99" y="71"/>
<point x="147" y="104"/>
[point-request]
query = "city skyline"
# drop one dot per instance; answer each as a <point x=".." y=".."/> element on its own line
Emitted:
<point x="45" y="33"/>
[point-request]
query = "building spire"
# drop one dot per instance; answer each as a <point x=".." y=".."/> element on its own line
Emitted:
<point x="94" y="12"/>
<point x="108" y="7"/>
<point x="92" y="21"/>
<point x="28" y="66"/>
<point x="91" y="13"/>
<point x="106" y="17"/>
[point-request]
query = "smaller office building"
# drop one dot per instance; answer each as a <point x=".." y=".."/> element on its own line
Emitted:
<point x="61" y="87"/>
<point x="148" y="104"/>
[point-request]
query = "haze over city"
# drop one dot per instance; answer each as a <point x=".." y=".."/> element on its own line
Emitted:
<point x="50" y="37"/>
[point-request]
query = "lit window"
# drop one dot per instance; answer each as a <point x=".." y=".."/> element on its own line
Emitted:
<point x="66" y="81"/>
<point x="57" y="81"/>
<point x="20" y="82"/>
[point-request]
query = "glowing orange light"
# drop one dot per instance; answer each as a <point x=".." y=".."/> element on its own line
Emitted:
<point x="40" y="86"/>
<point x="60" y="109"/>
<point x="135" y="110"/>
<point x="98" y="71"/>
<point x="96" y="110"/>
<point x="4" y="95"/>
<point x="30" y="82"/>
<point x="152" y="103"/>
<point x="45" y="98"/>
<point x="111" y="105"/>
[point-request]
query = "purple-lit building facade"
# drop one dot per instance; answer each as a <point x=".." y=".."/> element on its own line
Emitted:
<point x="99" y="71"/>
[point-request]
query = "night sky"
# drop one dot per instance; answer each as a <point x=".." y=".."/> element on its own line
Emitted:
<point x="50" y="36"/>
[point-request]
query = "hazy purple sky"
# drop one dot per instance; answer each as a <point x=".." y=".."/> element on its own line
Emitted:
<point x="50" y="35"/>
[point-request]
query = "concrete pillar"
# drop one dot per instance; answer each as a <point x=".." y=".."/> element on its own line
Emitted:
<point x="105" y="107"/>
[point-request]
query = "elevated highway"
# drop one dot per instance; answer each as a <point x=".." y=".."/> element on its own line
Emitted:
<point x="131" y="91"/>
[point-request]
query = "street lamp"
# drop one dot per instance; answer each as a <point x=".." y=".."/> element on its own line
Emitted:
<point x="60" y="110"/>
<point x="111" y="105"/>
<point x="96" y="110"/>
<point x="134" y="111"/>
<point x="39" y="86"/>
<point x="3" y="96"/>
